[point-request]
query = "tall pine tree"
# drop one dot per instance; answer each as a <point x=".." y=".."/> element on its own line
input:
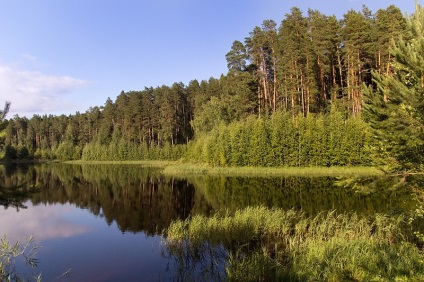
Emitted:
<point x="395" y="110"/>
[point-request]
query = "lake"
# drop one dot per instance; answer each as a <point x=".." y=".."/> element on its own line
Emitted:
<point x="104" y="222"/>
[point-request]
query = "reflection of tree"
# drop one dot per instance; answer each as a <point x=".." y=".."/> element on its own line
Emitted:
<point x="395" y="185"/>
<point x="141" y="199"/>
<point x="137" y="199"/>
<point x="309" y="194"/>
<point x="406" y="187"/>
<point x="14" y="196"/>
<point x="14" y="191"/>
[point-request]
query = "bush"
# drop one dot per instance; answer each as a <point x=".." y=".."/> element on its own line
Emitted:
<point x="284" y="140"/>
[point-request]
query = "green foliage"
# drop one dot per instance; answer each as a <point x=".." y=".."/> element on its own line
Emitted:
<point x="22" y="153"/>
<point x="65" y="151"/>
<point x="10" y="153"/>
<point x="276" y="245"/>
<point x="127" y="151"/>
<point x="395" y="109"/>
<point x="215" y="112"/>
<point x="281" y="140"/>
<point x="154" y="117"/>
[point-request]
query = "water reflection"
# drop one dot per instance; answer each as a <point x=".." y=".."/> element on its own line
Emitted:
<point x="141" y="199"/>
<point x="68" y="206"/>
<point x="12" y="192"/>
<point x="137" y="199"/>
<point x="309" y="194"/>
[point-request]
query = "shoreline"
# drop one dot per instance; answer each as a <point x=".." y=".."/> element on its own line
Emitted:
<point x="192" y="169"/>
<point x="179" y="168"/>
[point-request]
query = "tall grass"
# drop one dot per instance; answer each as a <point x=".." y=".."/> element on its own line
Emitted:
<point x="273" y="245"/>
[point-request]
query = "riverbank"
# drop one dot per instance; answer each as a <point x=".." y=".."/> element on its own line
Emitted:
<point x="186" y="169"/>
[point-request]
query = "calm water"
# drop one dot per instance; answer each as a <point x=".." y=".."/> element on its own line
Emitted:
<point x="103" y="222"/>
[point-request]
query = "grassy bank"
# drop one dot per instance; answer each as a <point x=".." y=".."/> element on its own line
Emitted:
<point x="151" y="163"/>
<point x="260" y="244"/>
<point x="186" y="169"/>
<point x="196" y="169"/>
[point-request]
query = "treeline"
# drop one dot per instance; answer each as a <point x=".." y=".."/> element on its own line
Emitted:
<point x="144" y="120"/>
<point x="302" y="68"/>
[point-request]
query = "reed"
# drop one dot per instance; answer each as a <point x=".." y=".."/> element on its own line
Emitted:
<point x="274" y="245"/>
<point x="9" y="253"/>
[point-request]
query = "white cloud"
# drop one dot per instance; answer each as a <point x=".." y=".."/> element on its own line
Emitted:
<point x="44" y="222"/>
<point x="35" y="92"/>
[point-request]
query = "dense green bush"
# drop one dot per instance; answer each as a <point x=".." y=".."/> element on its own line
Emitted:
<point x="284" y="140"/>
<point x="127" y="151"/>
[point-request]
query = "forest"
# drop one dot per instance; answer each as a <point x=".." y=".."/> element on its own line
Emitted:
<point x="311" y="90"/>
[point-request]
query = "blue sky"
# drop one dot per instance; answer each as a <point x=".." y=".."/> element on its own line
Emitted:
<point x="59" y="57"/>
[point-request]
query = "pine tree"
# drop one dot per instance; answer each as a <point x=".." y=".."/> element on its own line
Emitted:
<point x="389" y="24"/>
<point x="324" y="32"/>
<point x="295" y="63"/>
<point x="237" y="57"/>
<point x="395" y="110"/>
<point x="357" y="43"/>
